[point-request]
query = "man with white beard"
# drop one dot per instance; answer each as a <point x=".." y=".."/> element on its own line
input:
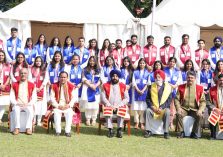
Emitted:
<point x="158" y="101"/>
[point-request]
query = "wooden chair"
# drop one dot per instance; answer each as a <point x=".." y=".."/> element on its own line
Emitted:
<point x="102" y="120"/>
<point x="51" y="118"/>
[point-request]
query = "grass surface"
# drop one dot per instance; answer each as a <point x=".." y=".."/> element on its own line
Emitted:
<point x="89" y="143"/>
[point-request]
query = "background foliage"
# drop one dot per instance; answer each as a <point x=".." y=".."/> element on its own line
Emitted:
<point x="145" y="6"/>
<point x="8" y="4"/>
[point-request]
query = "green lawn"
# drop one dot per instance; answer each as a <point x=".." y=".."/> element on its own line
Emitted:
<point x="90" y="144"/>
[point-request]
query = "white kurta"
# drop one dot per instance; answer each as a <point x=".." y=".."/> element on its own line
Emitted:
<point x="23" y="99"/>
<point x="68" y="113"/>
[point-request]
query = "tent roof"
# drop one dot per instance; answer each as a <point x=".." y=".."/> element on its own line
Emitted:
<point x="186" y="12"/>
<point x="74" y="11"/>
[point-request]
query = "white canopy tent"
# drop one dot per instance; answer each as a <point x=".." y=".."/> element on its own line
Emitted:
<point x="101" y="18"/>
<point x="176" y="17"/>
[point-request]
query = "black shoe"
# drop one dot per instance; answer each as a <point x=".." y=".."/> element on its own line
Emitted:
<point x="180" y="135"/>
<point x="110" y="133"/>
<point x="166" y="135"/>
<point x="57" y="134"/>
<point x="119" y="133"/>
<point x="193" y="135"/>
<point x="67" y="134"/>
<point x="148" y="134"/>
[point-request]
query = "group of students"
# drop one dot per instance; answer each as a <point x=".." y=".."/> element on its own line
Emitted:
<point x="89" y="68"/>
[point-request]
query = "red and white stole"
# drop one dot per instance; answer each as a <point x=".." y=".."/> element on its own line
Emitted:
<point x="185" y="53"/>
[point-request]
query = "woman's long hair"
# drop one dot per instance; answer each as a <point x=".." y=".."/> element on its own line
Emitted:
<point x="25" y="65"/>
<point x="4" y="56"/>
<point x="53" y="62"/>
<point x="96" y="67"/>
<point x="185" y="65"/>
<point x="129" y="68"/>
<point x="154" y="65"/>
<point x="27" y="40"/>
<point x="42" y="67"/>
<point x="52" y="42"/>
<point x="141" y="59"/>
<point x="65" y="43"/>
<point x="44" y="43"/>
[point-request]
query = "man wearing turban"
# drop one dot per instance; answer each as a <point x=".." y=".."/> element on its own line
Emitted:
<point x="158" y="100"/>
<point x="114" y="96"/>
<point x="216" y="52"/>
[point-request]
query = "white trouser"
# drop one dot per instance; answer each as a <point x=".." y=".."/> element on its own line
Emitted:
<point x="138" y="116"/>
<point x="91" y="114"/>
<point x="29" y="116"/>
<point x="2" y="111"/>
<point x="68" y="113"/>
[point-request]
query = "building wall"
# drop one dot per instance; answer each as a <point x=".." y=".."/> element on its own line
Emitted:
<point x="209" y="33"/>
<point x="60" y="30"/>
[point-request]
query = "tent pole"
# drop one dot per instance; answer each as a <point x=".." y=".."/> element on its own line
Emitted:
<point x="97" y="33"/>
<point x="153" y="16"/>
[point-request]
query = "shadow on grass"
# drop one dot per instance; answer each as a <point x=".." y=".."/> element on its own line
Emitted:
<point x="93" y="130"/>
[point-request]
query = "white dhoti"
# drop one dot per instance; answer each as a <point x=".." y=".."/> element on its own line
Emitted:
<point x="68" y="113"/>
<point x="29" y="116"/>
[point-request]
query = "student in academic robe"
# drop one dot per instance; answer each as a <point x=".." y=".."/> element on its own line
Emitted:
<point x="90" y="93"/>
<point x="5" y="69"/>
<point x="157" y="66"/>
<point x="41" y="46"/>
<point x="200" y="54"/>
<point x="107" y="68"/>
<point x="68" y="49"/>
<point x="133" y="51"/>
<point x="83" y="52"/>
<point x="93" y="47"/>
<point x="55" y="67"/>
<point x="38" y="73"/>
<point x="30" y="51"/>
<point x="13" y="46"/>
<point x="188" y="66"/>
<point x="216" y="52"/>
<point x="204" y="76"/>
<point x="1" y="45"/>
<point x="150" y="52"/>
<point x="184" y="52"/>
<point x="104" y="52"/>
<point x="173" y="77"/>
<point x="140" y="82"/>
<point x="117" y="53"/>
<point x="17" y="66"/>
<point x="166" y="51"/>
<point x="126" y="75"/>
<point x="54" y="46"/>
<point x="75" y="71"/>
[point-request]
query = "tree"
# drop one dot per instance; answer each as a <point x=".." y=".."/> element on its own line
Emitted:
<point x="8" y="4"/>
<point x="140" y="8"/>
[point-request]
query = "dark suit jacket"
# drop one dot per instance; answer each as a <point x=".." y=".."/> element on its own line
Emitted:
<point x="160" y="93"/>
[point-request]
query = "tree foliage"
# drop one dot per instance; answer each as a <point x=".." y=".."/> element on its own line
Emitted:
<point x="8" y="4"/>
<point x="140" y="8"/>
